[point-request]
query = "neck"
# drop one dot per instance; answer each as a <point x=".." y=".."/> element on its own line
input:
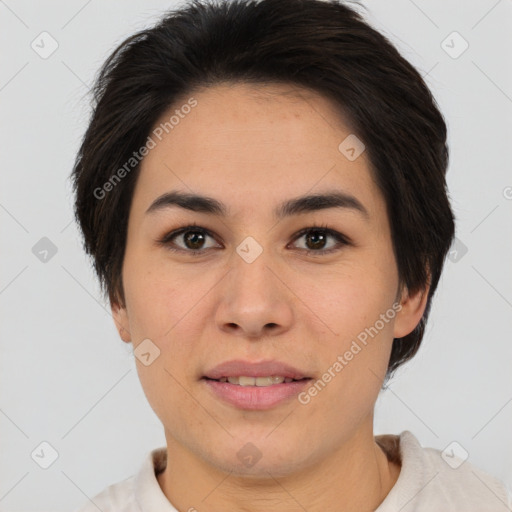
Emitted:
<point x="355" y="477"/>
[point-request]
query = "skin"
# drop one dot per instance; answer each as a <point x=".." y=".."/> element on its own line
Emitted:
<point x="252" y="147"/>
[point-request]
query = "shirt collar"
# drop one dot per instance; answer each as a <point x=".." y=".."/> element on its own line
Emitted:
<point x="148" y="494"/>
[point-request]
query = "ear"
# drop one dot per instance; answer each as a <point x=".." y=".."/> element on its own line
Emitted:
<point x="121" y="320"/>
<point x="412" y="309"/>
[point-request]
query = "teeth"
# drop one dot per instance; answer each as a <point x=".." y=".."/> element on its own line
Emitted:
<point x="255" y="381"/>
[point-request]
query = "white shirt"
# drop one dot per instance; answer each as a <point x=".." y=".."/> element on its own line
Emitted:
<point x="427" y="483"/>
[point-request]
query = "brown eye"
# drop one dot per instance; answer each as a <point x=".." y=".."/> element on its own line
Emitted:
<point x="194" y="238"/>
<point x="316" y="240"/>
<point x="189" y="239"/>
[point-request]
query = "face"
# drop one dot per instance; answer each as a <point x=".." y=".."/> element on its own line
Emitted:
<point x="295" y="292"/>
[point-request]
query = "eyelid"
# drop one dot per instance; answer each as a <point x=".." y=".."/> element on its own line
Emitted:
<point x="325" y="229"/>
<point x="165" y="240"/>
<point x="342" y="239"/>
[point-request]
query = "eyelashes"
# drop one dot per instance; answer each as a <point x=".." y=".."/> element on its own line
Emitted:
<point x="320" y="234"/>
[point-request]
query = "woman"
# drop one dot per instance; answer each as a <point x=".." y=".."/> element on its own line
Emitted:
<point x="262" y="190"/>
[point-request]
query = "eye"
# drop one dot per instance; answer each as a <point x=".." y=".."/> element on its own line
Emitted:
<point x="192" y="240"/>
<point x="316" y="236"/>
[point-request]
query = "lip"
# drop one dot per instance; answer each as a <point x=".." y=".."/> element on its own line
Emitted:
<point x="239" y="367"/>
<point x="255" y="397"/>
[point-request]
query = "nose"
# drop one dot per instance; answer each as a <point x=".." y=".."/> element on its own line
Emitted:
<point x="255" y="301"/>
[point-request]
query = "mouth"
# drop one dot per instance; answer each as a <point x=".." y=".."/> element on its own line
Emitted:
<point x="244" y="380"/>
<point x="255" y="386"/>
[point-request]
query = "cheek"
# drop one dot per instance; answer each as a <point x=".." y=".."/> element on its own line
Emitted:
<point x="344" y="301"/>
<point x="151" y="296"/>
<point x="354" y="365"/>
<point x="353" y="307"/>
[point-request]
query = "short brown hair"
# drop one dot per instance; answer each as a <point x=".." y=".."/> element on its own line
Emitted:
<point x="325" y="46"/>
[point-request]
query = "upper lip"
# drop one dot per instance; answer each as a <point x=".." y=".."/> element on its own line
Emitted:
<point x="238" y="367"/>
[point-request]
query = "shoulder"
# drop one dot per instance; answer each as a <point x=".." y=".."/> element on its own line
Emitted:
<point x="137" y="493"/>
<point x="431" y="478"/>
<point x="118" y="497"/>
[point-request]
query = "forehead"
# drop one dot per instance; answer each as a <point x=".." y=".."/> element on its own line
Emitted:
<point x="251" y="144"/>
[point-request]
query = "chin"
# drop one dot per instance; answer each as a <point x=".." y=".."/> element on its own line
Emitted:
<point x="261" y="456"/>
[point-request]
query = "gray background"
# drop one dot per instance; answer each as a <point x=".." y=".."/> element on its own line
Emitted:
<point x="65" y="376"/>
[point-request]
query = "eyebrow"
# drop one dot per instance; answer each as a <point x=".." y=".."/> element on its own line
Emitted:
<point x="295" y="206"/>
